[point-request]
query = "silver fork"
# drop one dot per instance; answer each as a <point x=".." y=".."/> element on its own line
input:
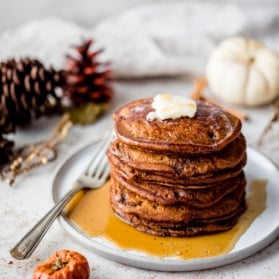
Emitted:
<point x="93" y="177"/>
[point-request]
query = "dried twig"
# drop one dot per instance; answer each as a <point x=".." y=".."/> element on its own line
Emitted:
<point x="200" y="84"/>
<point x="274" y="117"/>
<point x="33" y="155"/>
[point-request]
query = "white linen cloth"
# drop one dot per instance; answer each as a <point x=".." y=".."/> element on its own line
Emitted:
<point x="170" y="38"/>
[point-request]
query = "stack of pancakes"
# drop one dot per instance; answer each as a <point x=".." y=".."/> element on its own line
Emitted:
<point x="177" y="177"/>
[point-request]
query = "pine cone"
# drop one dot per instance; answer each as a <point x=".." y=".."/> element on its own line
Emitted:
<point x="6" y="150"/>
<point x="86" y="79"/>
<point x="27" y="90"/>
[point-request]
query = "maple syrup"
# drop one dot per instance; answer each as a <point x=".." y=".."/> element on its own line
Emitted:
<point x="91" y="211"/>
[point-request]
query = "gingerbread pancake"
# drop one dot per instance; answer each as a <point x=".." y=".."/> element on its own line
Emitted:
<point x="195" y="196"/>
<point x="180" y="230"/>
<point x="211" y="129"/>
<point x="177" y="165"/>
<point x="167" y="179"/>
<point x="128" y="202"/>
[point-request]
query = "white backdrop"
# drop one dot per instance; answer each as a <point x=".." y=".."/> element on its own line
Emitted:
<point x="161" y="38"/>
<point x="83" y="12"/>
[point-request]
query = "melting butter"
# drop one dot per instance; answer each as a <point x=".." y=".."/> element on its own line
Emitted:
<point x="91" y="211"/>
<point x="167" y="106"/>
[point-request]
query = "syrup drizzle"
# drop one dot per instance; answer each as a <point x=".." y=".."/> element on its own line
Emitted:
<point x="91" y="211"/>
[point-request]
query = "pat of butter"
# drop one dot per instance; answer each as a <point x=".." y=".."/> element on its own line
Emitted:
<point x="168" y="106"/>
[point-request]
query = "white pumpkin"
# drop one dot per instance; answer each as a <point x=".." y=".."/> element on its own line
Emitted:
<point x="243" y="71"/>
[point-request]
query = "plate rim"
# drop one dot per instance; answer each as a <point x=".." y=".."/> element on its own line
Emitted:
<point x="149" y="262"/>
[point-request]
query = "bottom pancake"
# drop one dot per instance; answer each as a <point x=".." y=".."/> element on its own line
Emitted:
<point x="180" y="229"/>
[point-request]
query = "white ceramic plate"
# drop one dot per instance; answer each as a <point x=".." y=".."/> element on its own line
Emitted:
<point x="262" y="231"/>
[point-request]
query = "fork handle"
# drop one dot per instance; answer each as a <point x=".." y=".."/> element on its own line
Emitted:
<point x="25" y="247"/>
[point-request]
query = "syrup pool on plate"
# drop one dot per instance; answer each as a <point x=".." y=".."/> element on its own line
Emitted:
<point x="90" y="210"/>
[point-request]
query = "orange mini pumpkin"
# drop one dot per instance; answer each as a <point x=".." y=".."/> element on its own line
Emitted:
<point x="63" y="264"/>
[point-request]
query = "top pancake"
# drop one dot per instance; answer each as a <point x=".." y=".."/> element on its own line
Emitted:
<point x="211" y="129"/>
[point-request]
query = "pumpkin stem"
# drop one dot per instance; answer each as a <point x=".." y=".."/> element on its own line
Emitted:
<point x="251" y="60"/>
<point x="58" y="264"/>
